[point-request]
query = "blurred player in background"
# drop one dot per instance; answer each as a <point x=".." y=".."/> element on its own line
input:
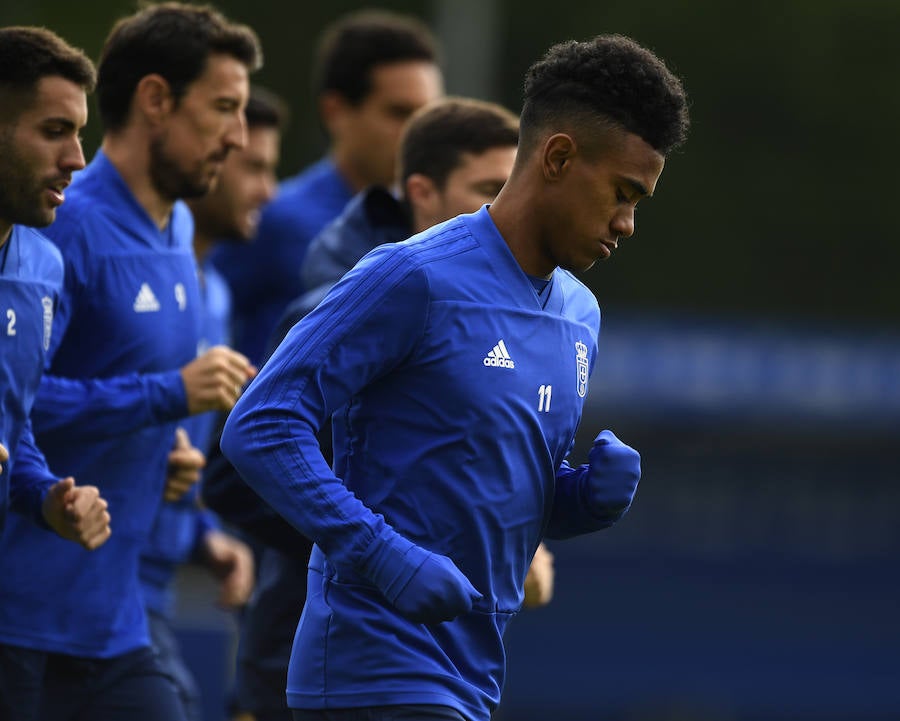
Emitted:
<point x="183" y="530"/>
<point x="456" y="366"/>
<point x="373" y="70"/>
<point x="172" y="84"/>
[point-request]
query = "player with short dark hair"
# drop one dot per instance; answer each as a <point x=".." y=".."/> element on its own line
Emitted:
<point x="357" y="43"/>
<point x="455" y="366"/>
<point x="123" y="366"/>
<point x="373" y="70"/>
<point x="171" y="43"/>
<point x="44" y="82"/>
<point x="438" y="136"/>
<point x="455" y="155"/>
<point x="184" y="529"/>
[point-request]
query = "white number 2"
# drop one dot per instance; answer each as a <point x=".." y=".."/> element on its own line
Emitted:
<point x="545" y="393"/>
<point x="11" y="326"/>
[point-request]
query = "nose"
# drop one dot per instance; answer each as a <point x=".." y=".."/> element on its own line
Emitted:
<point x="623" y="222"/>
<point x="72" y="158"/>
<point x="236" y="133"/>
<point x="270" y="185"/>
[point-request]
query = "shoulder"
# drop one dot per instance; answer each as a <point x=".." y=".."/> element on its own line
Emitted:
<point x="371" y="218"/>
<point x="385" y="270"/>
<point x="441" y="242"/>
<point x="182" y="226"/>
<point x="580" y="303"/>
<point x="306" y="201"/>
<point x="67" y="230"/>
<point x="88" y="204"/>
<point x="217" y="289"/>
<point x="42" y="257"/>
<point x="307" y="184"/>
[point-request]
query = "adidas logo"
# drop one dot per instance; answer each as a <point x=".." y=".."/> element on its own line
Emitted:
<point x="145" y="302"/>
<point x="499" y="357"/>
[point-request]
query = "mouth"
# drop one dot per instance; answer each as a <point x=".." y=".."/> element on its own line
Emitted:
<point x="219" y="157"/>
<point x="55" y="191"/>
<point x="607" y="247"/>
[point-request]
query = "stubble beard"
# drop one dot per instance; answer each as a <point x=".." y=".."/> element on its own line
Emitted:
<point x="169" y="179"/>
<point x="21" y="194"/>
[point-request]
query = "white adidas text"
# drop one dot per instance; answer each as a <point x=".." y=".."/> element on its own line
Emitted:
<point x="499" y="357"/>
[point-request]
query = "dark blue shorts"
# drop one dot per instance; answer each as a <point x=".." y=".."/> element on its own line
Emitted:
<point x="168" y="655"/>
<point x="267" y="634"/>
<point x="412" y="712"/>
<point x="41" y="686"/>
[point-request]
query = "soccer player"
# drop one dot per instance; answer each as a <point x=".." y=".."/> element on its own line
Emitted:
<point x="183" y="530"/>
<point x="456" y="365"/>
<point x="43" y="107"/>
<point x="373" y="70"/>
<point x="172" y="83"/>
<point x="455" y="156"/>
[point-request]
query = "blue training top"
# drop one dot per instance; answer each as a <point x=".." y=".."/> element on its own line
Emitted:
<point x="264" y="276"/>
<point x="129" y="319"/>
<point x="180" y="526"/>
<point x="31" y="276"/>
<point x="458" y="394"/>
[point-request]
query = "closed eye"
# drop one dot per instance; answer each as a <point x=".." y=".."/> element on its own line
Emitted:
<point x="58" y="129"/>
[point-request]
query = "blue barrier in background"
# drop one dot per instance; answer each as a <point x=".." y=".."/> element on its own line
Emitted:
<point x="755" y="578"/>
<point x="676" y="366"/>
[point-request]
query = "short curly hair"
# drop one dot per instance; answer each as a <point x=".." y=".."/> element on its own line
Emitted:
<point x="610" y="78"/>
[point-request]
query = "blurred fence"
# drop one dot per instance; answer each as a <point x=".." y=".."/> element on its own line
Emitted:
<point x="755" y="577"/>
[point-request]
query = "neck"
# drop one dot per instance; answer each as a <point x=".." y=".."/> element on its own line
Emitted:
<point x="203" y="244"/>
<point x="5" y="232"/>
<point x="349" y="172"/>
<point x="129" y="151"/>
<point x="420" y="222"/>
<point x="517" y="216"/>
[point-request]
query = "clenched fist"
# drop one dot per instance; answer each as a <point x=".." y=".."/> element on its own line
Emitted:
<point x="77" y="513"/>
<point x="214" y="380"/>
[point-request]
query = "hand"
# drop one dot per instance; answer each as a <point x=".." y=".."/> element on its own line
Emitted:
<point x="425" y="587"/>
<point x="231" y="561"/>
<point x="615" y="470"/>
<point x="214" y="380"/>
<point x="539" y="581"/>
<point x="4" y="456"/>
<point x="77" y="513"/>
<point x="185" y="464"/>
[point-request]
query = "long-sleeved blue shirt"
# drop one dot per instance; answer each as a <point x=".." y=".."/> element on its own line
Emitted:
<point x="181" y="525"/>
<point x="264" y="276"/>
<point x="457" y="393"/>
<point x="31" y="276"/>
<point x="105" y="413"/>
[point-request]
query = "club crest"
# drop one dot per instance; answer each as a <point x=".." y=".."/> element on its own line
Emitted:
<point x="581" y="367"/>
<point x="47" y="303"/>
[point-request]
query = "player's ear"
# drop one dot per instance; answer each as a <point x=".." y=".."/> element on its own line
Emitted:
<point x="422" y="194"/>
<point x="556" y="156"/>
<point x="333" y="110"/>
<point x="153" y="98"/>
<point x="425" y="201"/>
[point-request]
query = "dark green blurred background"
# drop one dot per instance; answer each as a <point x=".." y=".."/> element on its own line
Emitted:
<point x="750" y="351"/>
<point x="780" y="204"/>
